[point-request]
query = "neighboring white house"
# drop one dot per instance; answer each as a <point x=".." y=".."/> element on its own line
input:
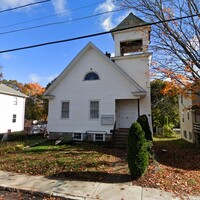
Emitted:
<point x="12" y="109"/>
<point x="96" y="93"/>
<point x="189" y="109"/>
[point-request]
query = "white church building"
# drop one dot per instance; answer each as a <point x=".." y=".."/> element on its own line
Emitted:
<point x="96" y="93"/>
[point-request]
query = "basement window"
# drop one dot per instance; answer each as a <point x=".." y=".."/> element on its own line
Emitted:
<point x="99" y="137"/>
<point x="130" y="47"/>
<point x="78" y="136"/>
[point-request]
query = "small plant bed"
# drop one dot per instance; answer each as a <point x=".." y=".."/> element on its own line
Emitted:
<point x="176" y="169"/>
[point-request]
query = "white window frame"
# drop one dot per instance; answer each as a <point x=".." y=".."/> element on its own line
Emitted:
<point x="84" y="78"/>
<point x="67" y="117"/>
<point x="15" y="101"/>
<point x="90" y="117"/>
<point x="77" y="139"/>
<point x="14" y="118"/>
<point x="94" y="137"/>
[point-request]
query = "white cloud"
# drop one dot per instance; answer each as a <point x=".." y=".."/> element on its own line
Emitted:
<point x="107" y="23"/>
<point x="60" y="6"/>
<point x="42" y="80"/>
<point x="108" y="5"/>
<point x="122" y="17"/>
<point x="113" y="54"/>
<point x="7" y="56"/>
<point x="35" y="78"/>
<point x="106" y="20"/>
<point x="52" y="77"/>
<point x="6" y="4"/>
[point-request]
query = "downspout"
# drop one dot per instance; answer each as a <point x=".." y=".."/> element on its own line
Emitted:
<point x="138" y="107"/>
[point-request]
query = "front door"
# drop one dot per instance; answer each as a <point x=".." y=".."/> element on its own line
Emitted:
<point x="126" y="112"/>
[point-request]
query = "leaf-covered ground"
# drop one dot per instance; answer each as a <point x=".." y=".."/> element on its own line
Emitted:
<point x="176" y="167"/>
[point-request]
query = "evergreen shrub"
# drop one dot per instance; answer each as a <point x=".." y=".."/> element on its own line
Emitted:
<point x="137" y="151"/>
<point x="144" y="123"/>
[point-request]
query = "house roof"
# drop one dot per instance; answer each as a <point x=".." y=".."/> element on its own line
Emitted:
<point x="4" y="89"/>
<point x="130" y="21"/>
<point x="78" y="57"/>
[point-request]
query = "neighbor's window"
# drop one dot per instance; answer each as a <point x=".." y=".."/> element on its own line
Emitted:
<point x="65" y="110"/>
<point x="91" y="76"/>
<point x="94" y="109"/>
<point x="181" y="99"/>
<point x="185" y="134"/>
<point x="190" y="135"/>
<point x="183" y="117"/>
<point x="188" y="114"/>
<point x="15" y="101"/>
<point x="14" y="119"/>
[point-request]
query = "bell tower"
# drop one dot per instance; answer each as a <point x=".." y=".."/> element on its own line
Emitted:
<point x="131" y="36"/>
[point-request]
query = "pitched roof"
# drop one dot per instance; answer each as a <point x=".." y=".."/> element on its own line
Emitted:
<point x="78" y="57"/>
<point x="130" y="21"/>
<point x="4" y="89"/>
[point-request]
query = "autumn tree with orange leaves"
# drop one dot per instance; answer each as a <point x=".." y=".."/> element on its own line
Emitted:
<point x="36" y="106"/>
<point x="175" y="43"/>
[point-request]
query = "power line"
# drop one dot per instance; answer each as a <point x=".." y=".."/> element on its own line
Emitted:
<point x="96" y="34"/>
<point x="63" y="22"/>
<point x="26" y="5"/>
<point x="48" y="16"/>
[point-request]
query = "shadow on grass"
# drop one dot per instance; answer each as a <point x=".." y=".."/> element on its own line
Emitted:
<point x="92" y="176"/>
<point x="79" y="147"/>
<point x="177" y="153"/>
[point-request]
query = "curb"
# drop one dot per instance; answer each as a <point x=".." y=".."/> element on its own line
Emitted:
<point x="37" y="193"/>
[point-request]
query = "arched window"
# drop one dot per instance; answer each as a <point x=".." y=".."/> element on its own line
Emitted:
<point x="91" y="76"/>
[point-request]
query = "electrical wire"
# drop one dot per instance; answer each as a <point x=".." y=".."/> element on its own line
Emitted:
<point x="63" y="22"/>
<point x="96" y="34"/>
<point x="26" y="5"/>
<point x="48" y="16"/>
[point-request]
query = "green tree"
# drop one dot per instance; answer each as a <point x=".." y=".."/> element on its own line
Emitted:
<point x="137" y="151"/>
<point x="164" y="106"/>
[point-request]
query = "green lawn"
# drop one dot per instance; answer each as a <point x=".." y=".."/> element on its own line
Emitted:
<point x="175" y="169"/>
<point x="87" y="161"/>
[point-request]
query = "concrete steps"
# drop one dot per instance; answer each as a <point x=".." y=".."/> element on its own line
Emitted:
<point x="120" y="138"/>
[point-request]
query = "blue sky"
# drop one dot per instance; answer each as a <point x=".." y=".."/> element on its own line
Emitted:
<point x="43" y="64"/>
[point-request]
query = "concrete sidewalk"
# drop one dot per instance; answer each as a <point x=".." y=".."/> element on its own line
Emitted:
<point x="80" y="190"/>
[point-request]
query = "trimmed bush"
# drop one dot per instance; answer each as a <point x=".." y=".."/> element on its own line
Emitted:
<point x="137" y="151"/>
<point x="144" y="123"/>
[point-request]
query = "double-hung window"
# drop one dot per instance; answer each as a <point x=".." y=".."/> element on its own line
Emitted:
<point x="15" y="101"/>
<point x="94" y="109"/>
<point x="65" y="110"/>
<point x="14" y="119"/>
